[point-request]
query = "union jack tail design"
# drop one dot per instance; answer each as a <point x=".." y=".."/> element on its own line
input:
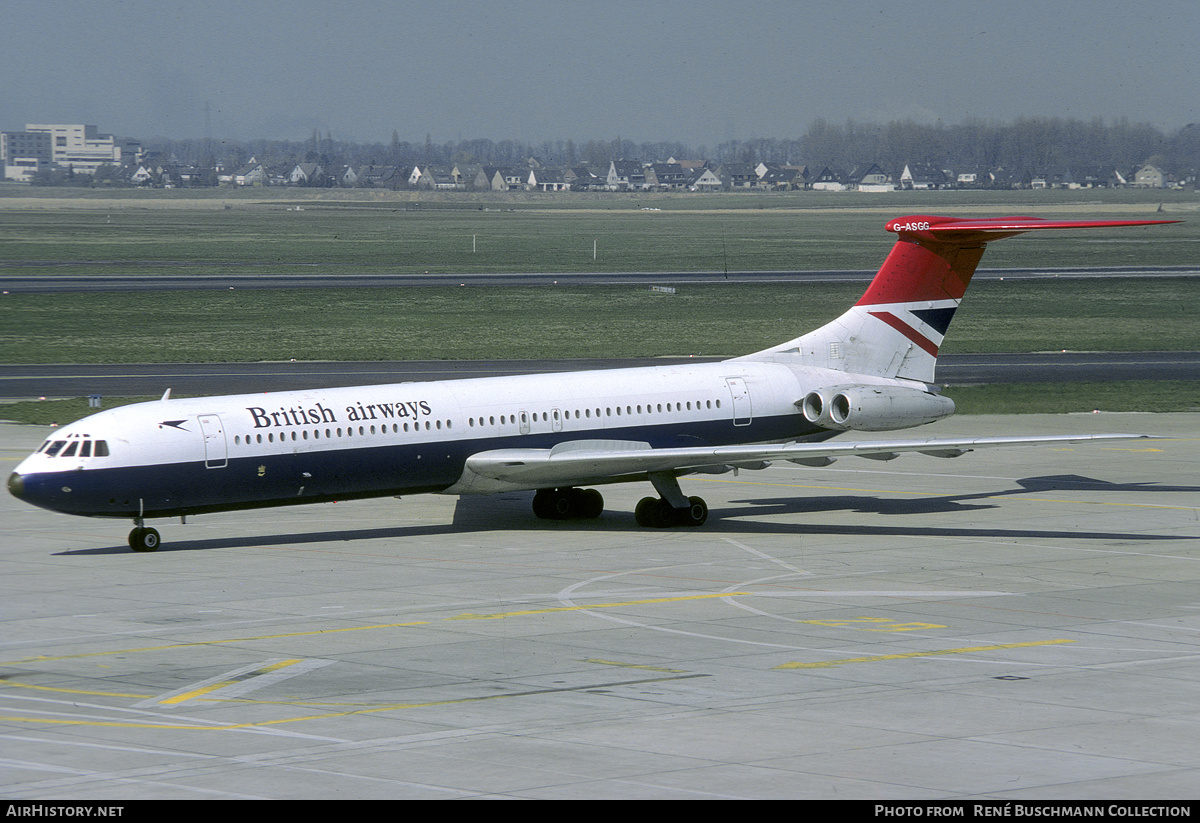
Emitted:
<point x="897" y="327"/>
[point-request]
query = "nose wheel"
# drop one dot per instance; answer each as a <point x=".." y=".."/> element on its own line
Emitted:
<point x="143" y="539"/>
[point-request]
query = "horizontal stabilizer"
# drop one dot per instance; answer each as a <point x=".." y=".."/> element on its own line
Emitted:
<point x="969" y="232"/>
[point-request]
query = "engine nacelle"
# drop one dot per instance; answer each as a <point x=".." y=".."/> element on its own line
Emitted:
<point x="873" y="408"/>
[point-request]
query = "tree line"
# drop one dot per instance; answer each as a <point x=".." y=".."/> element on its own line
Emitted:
<point x="1033" y="144"/>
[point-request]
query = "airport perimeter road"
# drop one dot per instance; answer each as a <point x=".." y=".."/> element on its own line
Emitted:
<point x="1012" y="624"/>
<point x="140" y="380"/>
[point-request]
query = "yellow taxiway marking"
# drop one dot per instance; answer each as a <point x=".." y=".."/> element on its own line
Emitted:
<point x="641" y="666"/>
<point x="208" y="688"/>
<point x="906" y="655"/>
<point x="359" y="710"/>
<point x="553" y="609"/>
<point x="174" y="646"/>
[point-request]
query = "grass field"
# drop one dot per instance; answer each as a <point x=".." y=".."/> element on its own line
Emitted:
<point x="186" y="233"/>
<point x="341" y="232"/>
<point x="1117" y="314"/>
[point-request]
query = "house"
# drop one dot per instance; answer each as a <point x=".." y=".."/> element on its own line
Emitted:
<point x="624" y="175"/>
<point x="1149" y="177"/>
<point x="829" y="179"/>
<point x="920" y="176"/>
<point x="774" y="177"/>
<point x="464" y="175"/>
<point x="869" y="177"/>
<point x="251" y="174"/>
<point x="1015" y="179"/>
<point x="377" y="177"/>
<point x="500" y="178"/>
<point x="739" y="175"/>
<point x="704" y="179"/>
<point x="305" y="174"/>
<point x="665" y="176"/>
<point x="582" y="178"/>
<point x="142" y="177"/>
<point x="974" y="179"/>
<point x="544" y="179"/>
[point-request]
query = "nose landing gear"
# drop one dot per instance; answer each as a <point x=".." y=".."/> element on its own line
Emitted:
<point x="143" y="539"/>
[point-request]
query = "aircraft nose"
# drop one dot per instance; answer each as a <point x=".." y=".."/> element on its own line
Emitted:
<point x="16" y="485"/>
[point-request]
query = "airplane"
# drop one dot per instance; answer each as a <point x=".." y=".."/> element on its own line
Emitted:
<point x="869" y="370"/>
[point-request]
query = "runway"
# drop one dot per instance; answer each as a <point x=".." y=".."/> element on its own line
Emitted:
<point x="151" y="379"/>
<point x="1012" y="624"/>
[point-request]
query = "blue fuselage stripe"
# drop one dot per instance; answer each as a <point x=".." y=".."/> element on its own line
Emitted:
<point x="316" y="475"/>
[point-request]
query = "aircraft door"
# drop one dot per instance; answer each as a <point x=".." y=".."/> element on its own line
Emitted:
<point x="556" y="420"/>
<point x="523" y="418"/>
<point x="216" y="453"/>
<point x="743" y="411"/>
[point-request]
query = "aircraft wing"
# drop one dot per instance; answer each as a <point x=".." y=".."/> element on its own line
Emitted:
<point x="594" y="461"/>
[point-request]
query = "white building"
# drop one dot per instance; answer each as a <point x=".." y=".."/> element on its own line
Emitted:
<point x="79" y="147"/>
<point x="24" y="154"/>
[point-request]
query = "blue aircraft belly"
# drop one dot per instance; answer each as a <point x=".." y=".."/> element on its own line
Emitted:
<point x="253" y="481"/>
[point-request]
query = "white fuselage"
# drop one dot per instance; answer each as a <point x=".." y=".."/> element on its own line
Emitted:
<point x="183" y="456"/>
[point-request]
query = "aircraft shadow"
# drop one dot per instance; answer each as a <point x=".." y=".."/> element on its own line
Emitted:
<point x="511" y="512"/>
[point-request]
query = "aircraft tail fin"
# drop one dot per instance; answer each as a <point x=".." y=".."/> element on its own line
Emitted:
<point x="897" y="327"/>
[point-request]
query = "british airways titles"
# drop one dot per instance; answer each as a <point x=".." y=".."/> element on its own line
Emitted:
<point x="300" y="416"/>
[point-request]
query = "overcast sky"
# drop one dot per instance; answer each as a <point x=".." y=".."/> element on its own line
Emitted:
<point x="699" y="71"/>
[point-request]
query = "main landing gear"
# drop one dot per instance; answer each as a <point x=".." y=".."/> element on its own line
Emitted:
<point x="671" y="509"/>
<point x="143" y="539"/>
<point x="658" y="513"/>
<point x="568" y="504"/>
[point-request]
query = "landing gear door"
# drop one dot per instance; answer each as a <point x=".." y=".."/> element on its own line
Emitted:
<point x="743" y="412"/>
<point x="216" y="452"/>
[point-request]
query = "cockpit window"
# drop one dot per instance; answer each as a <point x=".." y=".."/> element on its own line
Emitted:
<point x="85" y="448"/>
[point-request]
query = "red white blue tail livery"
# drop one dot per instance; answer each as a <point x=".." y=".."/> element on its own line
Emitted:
<point x="872" y="369"/>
